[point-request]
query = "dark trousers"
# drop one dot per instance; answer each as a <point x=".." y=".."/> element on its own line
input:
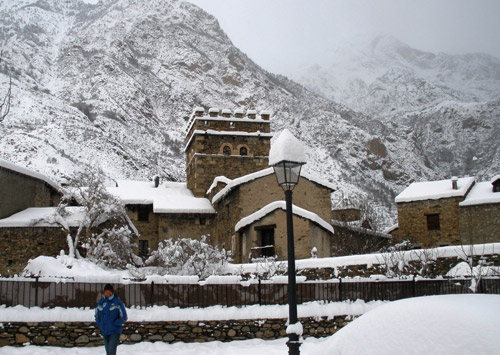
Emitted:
<point x="111" y="343"/>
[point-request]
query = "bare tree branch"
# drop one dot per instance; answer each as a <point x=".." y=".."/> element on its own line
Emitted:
<point x="6" y="99"/>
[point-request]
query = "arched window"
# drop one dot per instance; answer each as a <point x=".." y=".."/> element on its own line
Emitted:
<point x="226" y="150"/>
<point x="243" y="151"/>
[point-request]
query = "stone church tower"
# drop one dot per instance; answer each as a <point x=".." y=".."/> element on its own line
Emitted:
<point x="225" y="144"/>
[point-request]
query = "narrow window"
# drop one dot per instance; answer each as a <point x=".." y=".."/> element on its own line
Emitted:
<point x="433" y="222"/>
<point x="226" y="150"/>
<point x="267" y="242"/>
<point x="143" y="213"/>
<point x="143" y="247"/>
<point x="202" y="221"/>
<point x="243" y="151"/>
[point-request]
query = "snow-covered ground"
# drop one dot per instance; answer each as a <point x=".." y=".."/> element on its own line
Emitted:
<point x="451" y="324"/>
<point x="162" y="313"/>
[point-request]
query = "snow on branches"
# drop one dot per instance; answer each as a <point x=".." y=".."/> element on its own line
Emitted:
<point x="190" y="257"/>
<point x="105" y="230"/>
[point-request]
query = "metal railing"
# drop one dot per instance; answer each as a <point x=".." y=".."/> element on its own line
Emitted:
<point x="36" y="293"/>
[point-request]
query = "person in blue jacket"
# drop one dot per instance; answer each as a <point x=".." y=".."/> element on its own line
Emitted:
<point x="110" y="315"/>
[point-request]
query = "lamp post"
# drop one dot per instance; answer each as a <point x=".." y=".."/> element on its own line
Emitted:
<point x="287" y="156"/>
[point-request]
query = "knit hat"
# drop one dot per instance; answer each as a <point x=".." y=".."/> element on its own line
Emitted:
<point x="108" y="287"/>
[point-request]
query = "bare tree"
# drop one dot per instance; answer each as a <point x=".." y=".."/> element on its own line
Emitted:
<point x="6" y="98"/>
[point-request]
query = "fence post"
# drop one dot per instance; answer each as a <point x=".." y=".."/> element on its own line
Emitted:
<point x="414" y="285"/>
<point x="152" y="294"/>
<point x="36" y="290"/>
<point x="260" y="293"/>
<point x="340" y="289"/>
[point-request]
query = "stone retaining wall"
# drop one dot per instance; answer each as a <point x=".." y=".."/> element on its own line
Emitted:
<point x="86" y="333"/>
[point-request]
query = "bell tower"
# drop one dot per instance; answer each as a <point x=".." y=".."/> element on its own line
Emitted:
<point x="223" y="143"/>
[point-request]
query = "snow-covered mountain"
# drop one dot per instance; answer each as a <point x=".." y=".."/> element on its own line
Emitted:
<point x="379" y="75"/>
<point x="449" y="102"/>
<point x="109" y="86"/>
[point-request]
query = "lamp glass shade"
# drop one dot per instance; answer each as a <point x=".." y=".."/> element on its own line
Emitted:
<point x="287" y="173"/>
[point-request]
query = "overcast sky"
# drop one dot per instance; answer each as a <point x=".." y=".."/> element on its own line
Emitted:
<point x="282" y="34"/>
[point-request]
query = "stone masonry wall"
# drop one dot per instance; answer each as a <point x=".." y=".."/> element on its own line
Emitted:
<point x="18" y="245"/>
<point x="480" y="223"/>
<point x="229" y="124"/>
<point x="412" y="222"/>
<point x="204" y="168"/>
<point x="86" y="333"/>
<point x="19" y="192"/>
<point x="257" y="146"/>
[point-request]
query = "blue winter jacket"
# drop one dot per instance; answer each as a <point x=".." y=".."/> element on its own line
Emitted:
<point x="110" y="314"/>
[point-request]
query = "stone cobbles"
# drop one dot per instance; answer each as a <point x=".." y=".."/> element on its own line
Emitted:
<point x="79" y="334"/>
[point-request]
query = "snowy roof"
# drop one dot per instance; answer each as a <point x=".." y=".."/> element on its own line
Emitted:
<point x="287" y="148"/>
<point x="19" y="169"/>
<point x="169" y="197"/>
<point x="391" y="229"/>
<point x="226" y="133"/>
<point x="481" y="193"/>
<point x="264" y="211"/>
<point x="495" y="178"/>
<point x="434" y="190"/>
<point x="44" y="217"/>
<point x="231" y="184"/>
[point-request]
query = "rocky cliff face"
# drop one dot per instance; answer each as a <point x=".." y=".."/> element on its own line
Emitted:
<point x="109" y="86"/>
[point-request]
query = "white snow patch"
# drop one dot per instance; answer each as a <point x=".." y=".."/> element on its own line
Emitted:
<point x="45" y="217"/>
<point x="287" y="148"/>
<point x="434" y="190"/>
<point x="450" y="324"/>
<point x="169" y="197"/>
<point x="481" y="193"/>
<point x="163" y="313"/>
<point x="295" y="329"/>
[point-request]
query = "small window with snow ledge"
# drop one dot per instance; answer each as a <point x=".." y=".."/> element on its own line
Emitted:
<point x="231" y="124"/>
<point x="226" y="150"/>
<point x="206" y="123"/>
<point x="243" y="151"/>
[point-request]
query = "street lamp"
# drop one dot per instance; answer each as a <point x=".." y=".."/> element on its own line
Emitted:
<point x="287" y="156"/>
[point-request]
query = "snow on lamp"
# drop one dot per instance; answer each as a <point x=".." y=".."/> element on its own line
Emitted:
<point x="287" y="156"/>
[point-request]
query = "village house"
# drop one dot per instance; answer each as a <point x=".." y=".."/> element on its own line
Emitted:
<point x="231" y="195"/>
<point x="27" y="199"/>
<point x="449" y="212"/>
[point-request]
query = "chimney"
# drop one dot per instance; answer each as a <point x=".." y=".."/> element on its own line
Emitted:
<point x="454" y="183"/>
<point x="157" y="181"/>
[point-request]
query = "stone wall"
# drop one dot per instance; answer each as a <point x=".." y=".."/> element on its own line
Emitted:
<point x="203" y="169"/>
<point x="228" y="125"/>
<point x="250" y="197"/>
<point x="257" y="146"/>
<point x="480" y="223"/>
<point x="86" y="334"/>
<point x="306" y="236"/>
<point x="412" y="220"/>
<point x="18" y="192"/>
<point x="18" y="245"/>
